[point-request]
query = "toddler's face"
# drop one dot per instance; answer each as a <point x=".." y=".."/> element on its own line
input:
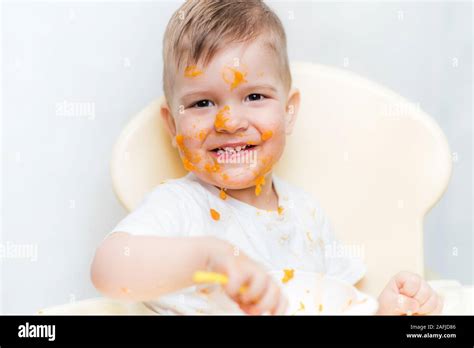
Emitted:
<point x="230" y="119"/>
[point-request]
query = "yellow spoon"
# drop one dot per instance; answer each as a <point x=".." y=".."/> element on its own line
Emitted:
<point x="214" y="277"/>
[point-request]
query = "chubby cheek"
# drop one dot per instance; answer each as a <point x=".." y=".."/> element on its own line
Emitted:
<point x="189" y="140"/>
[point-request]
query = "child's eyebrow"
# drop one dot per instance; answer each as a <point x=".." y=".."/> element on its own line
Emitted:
<point x="258" y="86"/>
<point x="192" y="95"/>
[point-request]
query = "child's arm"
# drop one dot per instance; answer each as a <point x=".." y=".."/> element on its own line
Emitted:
<point x="142" y="268"/>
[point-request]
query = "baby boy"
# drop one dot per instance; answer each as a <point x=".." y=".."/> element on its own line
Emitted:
<point x="229" y="106"/>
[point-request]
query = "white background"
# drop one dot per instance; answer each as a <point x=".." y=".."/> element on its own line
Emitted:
<point x="56" y="187"/>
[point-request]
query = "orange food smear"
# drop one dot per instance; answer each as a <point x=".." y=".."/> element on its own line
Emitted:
<point x="180" y="141"/>
<point x="237" y="77"/>
<point x="215" y="214"/>
<point x="187" y="164"/>
<point x="288" y="274"/>
<point x="280" y="210"/>
<point x="222" y="194"/>
<point x="125" y="290"/>
<point x="258" y="184"/>
<point x="302" y="307"/>
<point x="266" y="135"/>
<point x="202" y="134"/>
<point x="260" y="180"/>
<point x="192" y="71"/>
<point x="188" y="159"/>
<point x="225" y="177"/>
<point x="212" y="168"/>
<point x="221" y="120"/>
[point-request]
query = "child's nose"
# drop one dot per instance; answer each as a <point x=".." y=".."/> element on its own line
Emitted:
<point x="235" y="122"/>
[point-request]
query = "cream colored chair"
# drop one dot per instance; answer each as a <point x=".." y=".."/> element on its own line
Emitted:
<point x="375" y="162"/>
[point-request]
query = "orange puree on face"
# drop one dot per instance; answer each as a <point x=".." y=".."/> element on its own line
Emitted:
<point x="180" y="141"/>
<point x="221" y="120"/>
<point x="202" y="135"/>
<point x="212" y="168"/>
<point x="188" y="157"/>
<point x="187" y="164"/>
<point x="215" y="214"/>
<point x="258" y="184"/>
<point x="266" y="135"/>
<point x="192" y="71"/>
<point x="235" y="79"/>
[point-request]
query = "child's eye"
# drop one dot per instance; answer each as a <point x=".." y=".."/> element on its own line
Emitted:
<point x="202" y="104"/>
<point x="255" y="97"/>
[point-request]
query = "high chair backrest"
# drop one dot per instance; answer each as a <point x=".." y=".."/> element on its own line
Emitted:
<point x="374" y="161"/>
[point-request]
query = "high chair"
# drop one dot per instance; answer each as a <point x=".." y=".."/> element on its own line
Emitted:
<point x="375" y="162"/>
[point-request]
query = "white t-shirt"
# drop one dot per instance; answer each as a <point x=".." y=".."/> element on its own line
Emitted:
<point x="295" y="237"/>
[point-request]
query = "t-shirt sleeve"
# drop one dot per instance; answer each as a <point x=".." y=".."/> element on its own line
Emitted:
<point x="160" y="213"/>
<point x="342" y="261"/>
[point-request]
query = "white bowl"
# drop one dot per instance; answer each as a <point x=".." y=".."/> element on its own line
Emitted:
<point x="311" y="293"/>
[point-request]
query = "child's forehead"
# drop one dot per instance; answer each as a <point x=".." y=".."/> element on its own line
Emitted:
<point x="256" y="63"/>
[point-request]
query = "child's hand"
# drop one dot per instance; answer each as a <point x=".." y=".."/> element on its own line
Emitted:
<point x="262" y="293"/>
<point x="407" y="293"/>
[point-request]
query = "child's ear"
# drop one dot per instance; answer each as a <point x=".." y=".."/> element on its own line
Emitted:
<point x="169" y="121"/>
<point x="292" y="107"/>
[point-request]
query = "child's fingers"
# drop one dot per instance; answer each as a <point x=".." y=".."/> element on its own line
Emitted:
<point x="256" y="289"/>
<point x="269" y="299"/>
<point x="406" y="305"/>
<point x="282" y="305"/>
<point x="430" y="305"/>
<point x="408" y="283"/>
<point x="439" y="307"/>
<point x="237" y="279"/>
<point x="423" y="293"/>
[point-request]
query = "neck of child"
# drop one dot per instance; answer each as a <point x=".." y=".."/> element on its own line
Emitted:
<point x="266" y="200"/>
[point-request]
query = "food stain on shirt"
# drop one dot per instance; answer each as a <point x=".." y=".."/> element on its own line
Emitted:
<point x="221" y="119"/>
<point x="288" y="274"/>
<point x="215" y="214"/>
<point x="280" y="210"/>
<point x="284" y="238"/>
<point x="233" y="77"/>
<point x="192" y="71"/>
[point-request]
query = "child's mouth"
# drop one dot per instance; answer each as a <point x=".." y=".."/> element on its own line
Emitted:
<point x="232" y="150"/>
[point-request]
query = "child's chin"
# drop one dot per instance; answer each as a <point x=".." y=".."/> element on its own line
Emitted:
<point x="235" y="178"/>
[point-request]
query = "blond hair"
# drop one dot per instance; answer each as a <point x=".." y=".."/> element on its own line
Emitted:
<point x="200" y="28"/>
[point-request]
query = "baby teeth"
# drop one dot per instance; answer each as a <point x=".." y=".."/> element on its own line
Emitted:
<point x="231" y="150"/>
